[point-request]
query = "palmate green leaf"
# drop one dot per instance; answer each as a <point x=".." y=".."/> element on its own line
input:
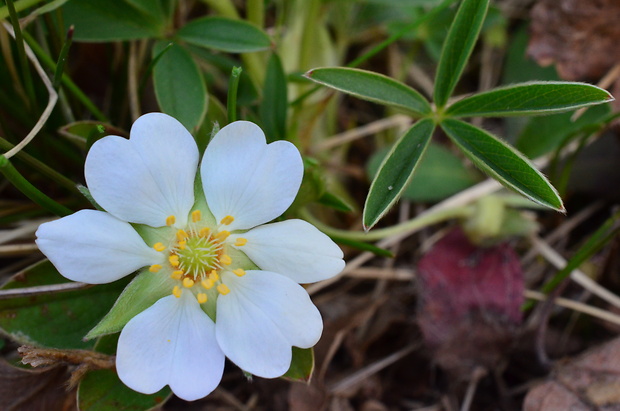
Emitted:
<point x="458" y="46"/>
<point x="179" y="86"/>
<point x="503" y="163"/>
<point x="58" y="320"/>
<point x="105" y="20"/>
<point x="396" y="171"/>
<point x="102" y="390"/>
<point x="274" y="104"/>
<point x="372" y="87"/>
<point x="529" y="98"/>
<point x="224" y="34"/>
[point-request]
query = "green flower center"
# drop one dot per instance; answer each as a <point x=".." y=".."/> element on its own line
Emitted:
<point x="198" y="256"/>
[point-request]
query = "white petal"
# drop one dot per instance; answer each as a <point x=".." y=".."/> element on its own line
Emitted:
<point x="94" y="247"/>
<point x="293" y="248"/>
<point x="171" y="343"/>
<point x="262" y="317"/>
<point x="246" y="178"/>
<point x="150" y="176"/>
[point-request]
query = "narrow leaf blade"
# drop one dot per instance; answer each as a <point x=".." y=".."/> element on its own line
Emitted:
<point x="224" y="34"/>
<point x="372" y="87"/>
<point x="458" y="47"/>
<point x="396" y="171"/>
<point x="274" y="105"/>
<point x="503" y="162"/>
<point x="530" y="98"/>
<point x="179" y="86"/>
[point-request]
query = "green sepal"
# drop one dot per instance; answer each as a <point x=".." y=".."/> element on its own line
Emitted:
<point x="302" y="365"/>
<point x="141" y="293"/>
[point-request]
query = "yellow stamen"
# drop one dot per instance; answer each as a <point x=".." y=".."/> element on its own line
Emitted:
<point x="227" y="220"/>
<point x="174" y="260"/>
<point x="222" y="235"/>
<point x="188" y="282"/>
<point x="155" y="268"/>
<point x="159" y="246"/>
<point x="177" y="274"/>
<point x="225" y="259"/>
<point x="202" y="298"/>
<point x="181" y="235"/>
<point x="182" y="244"/>
<point x="213" y="276"/>
<point x="223" y="289"/>
<point x="176" y="291"/>
<point x="204" y="232"/>
<point x="207" y="284"/>
<point x="196" y="216"/>
<point x="241" y="241"/>
<point x="170" y="220"/>
<point x="239" y="272"/>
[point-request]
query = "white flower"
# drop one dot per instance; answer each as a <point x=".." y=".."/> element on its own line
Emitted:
<point x="214" y="281"/>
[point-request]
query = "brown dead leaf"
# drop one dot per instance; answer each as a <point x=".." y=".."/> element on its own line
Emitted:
<point x="470" y="300"/>
<point x="590" y="381"/>
<point x="579" y="36"/>
<point x="34" y="390"/>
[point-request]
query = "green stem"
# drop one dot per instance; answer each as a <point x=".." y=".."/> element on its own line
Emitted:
<point x="21" y="52"/>
<point x="29" y="190"/>
<point x="19" y="6"/>
<point x="40" y="166"/>
<point x="380" y="233"/>
<point x="233" y="85"/>
<point x="256" y="12"/>
<point x="66" y="81"/>
<point x="225" y="8"/>
<point x="62" y="58"/>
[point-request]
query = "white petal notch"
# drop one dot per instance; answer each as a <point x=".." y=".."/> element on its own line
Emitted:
<point x="293" y="248"/>
<point x="262" y="317"/>
<point x="248" y="179"/>
<point x="147" y="178"/>
<point x="94" y="247"/>
<point x="171" y="343"/>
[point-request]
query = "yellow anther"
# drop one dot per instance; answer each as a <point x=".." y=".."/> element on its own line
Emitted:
<point x="225" y="259"/>
<point x="174" y="260"/>
<point x="176" y="291"/>
<point x="239" y="272"/>
<point x="177" y="274"/>
<point x="241" y="241"/>
<point x="223" y="289"/>
<point x="222" y="235"/>
<point x="227" y="220"/>
<point x="207" y="284"/>
<point x="159" y="246"/>
<point x="213" y="276"/>
<point x="155" y="268"/>
<point x="182" y="244"/>
<point x="188" y="282"/>
<point x="196" y="216"/>
<point x="204" y="232"/>
<point x="181" y="235"/>
<point x="202" y="298"/>
<point x="170" y="220"/>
